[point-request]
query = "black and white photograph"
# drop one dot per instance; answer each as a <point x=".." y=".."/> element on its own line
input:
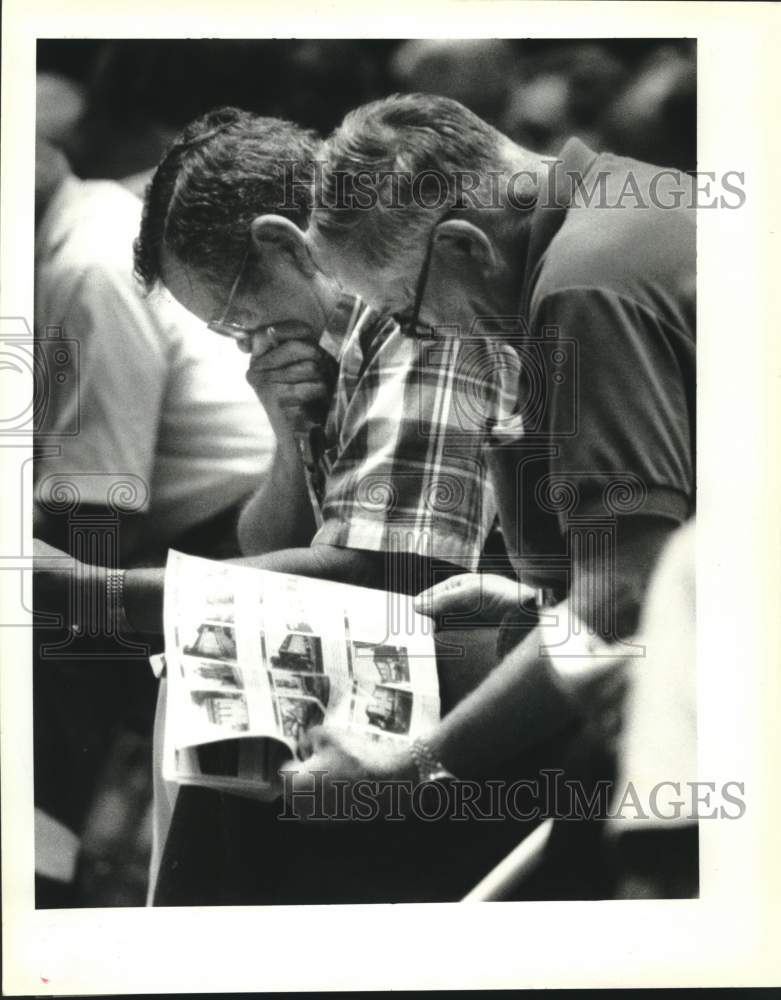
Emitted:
<point x="214" y="641"/>
<point x="223" y="708"/>
<point x="389" y="707"/>
<point x="391" y="662"/>
<point x="220" y="606"/>
<point x="415" y="314"/>
<point x="382" y="696"/>
<point x="499" y="235"/>
<point x="297" y="715"/>
<point x="217" y="672"/>
<point x="300" y="650"/>
<point x="316" y="685"/>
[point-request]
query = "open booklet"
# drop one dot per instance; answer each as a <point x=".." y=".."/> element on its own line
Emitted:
<point x="254" y="659"/>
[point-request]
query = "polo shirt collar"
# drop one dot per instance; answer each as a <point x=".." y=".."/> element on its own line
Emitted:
<point x="572" y="164"/>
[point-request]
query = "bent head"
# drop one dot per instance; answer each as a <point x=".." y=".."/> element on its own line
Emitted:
<point x="222" y="228"/>
<point x="422" y="204"/>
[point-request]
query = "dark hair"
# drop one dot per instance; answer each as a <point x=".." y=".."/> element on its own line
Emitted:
<point x="222" y="171"/>
<point x="409" y="136"/>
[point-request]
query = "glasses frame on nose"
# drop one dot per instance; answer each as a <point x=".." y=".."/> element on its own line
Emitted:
<point x="239" y="331"/>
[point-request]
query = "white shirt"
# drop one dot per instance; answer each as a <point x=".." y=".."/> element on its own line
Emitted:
<point x="150" y="391"/>
<point x="659" y="739"/>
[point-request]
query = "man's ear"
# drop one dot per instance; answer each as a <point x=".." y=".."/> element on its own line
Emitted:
<point x="274" y="234"/>
<point x="458" y="244"/>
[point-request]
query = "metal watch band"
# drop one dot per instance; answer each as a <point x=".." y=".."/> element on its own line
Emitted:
<point x="115" y="600"/>
<point x="430" y="768"/>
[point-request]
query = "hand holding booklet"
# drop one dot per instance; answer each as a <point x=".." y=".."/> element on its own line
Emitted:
<point x="255" y="659"/>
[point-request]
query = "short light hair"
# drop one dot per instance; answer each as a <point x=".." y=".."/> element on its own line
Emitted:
<point x="426" y="142"/>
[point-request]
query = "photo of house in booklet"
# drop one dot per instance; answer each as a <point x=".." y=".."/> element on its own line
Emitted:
<point x="391" y="662"/>
<point x="217" y="672"/>
<point x="390" y="708"/>
<point x="383" y="693"/>
<point x="297" y="715"/>
<point x="213" y="641"/>
<point x="223" y="708"/>
<point x="300" y="650"/>
<point x="318" y="686"/>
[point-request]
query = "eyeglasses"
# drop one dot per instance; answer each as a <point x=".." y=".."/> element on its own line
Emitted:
<point x="236" y="331"/>
<point x="411" y="321"/>
<point x="222" y="325"/>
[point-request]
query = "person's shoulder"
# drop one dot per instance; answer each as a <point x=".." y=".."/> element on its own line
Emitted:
<point x="94" y="222"/>
<point x="620" y="239"/>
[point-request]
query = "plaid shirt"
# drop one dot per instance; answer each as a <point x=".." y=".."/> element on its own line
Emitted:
<point x="406" y="435"/>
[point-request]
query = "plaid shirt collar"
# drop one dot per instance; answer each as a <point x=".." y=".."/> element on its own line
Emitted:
<point x="349" y="309"/>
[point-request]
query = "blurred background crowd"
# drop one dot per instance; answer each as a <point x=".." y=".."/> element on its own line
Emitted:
<point x="635" y="97"/>
<point x="107" y="109"/>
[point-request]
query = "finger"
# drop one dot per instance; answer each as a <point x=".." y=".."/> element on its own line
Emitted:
<point x="296" y="371"/>
<point x="505" y="591"/>
<point x="285" y="354"/>
<point x="300" y="393"/>
<point x="261" y="344"/>
<point x="458" y="593"/>
<point x="290" y="764"/>
<point x="427" y="598"/>
<point x="305" y="745"/>
<point x="424" y="603"/>
<point x="266" y="340"/>
<point x="320" y="737"/>
<point x="244" y="344"/>
<point x="291" y="330"/>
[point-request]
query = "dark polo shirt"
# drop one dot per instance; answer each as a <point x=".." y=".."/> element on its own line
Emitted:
<point x="608" y="394"/>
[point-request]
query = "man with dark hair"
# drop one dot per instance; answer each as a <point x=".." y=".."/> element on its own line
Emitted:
<point x="223" y="231"/>
<point x="398" y="482"/>
<point x="149" y="435"/>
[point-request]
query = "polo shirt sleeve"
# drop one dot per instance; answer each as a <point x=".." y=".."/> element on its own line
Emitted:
<point x="624" y="439"/>
<point x="104" y="428"/>
<point x="407" y="472"/>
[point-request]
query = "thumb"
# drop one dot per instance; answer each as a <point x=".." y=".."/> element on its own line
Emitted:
<point x="458" y="593"/>
<point x="320" y="738"/>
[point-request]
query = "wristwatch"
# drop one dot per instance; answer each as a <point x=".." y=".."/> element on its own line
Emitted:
<point x="430" y="768"/>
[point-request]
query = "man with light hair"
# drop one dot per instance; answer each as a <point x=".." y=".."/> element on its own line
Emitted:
<point x="431" y="213"/>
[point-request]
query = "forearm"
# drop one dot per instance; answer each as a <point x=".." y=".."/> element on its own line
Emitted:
<point x="518" y="706"/>
<point x="528" y="698"/>
<point x="279" y="515"/>
<point x="143" y="590"/>
<point x="128" y="530"/>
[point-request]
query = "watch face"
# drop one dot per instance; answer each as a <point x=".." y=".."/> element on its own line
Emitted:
<point x="441" y="777"/>
<point x="432" y="800"/>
